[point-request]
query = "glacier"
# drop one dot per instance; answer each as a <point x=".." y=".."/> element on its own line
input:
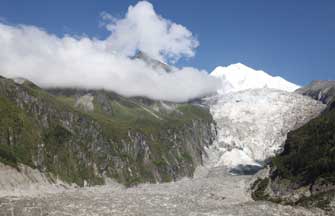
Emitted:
<point x="254" y="112"/>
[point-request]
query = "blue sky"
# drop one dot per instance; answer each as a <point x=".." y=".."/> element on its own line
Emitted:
<point x="289" y="38"/>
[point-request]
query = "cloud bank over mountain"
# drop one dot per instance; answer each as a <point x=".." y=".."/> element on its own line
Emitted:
<point x="83" y="62"/>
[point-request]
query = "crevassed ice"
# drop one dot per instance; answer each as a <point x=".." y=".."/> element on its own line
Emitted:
<point x="253" y="124"/>
<point x="254" y="112"/>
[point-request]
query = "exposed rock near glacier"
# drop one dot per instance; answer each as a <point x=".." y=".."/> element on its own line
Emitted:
<point x="237" y="77"/>
<point x="322" y="90"/>
<point x="252" y="125"/>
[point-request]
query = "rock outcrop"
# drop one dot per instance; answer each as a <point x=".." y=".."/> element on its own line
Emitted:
<point x="322" y="90"/>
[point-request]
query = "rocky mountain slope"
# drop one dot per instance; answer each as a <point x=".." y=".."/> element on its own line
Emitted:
<point x="303" y="174"/>
<point x="155" y="64"/>
<point x="85" y="137"/>
<point x="322" y="90"/>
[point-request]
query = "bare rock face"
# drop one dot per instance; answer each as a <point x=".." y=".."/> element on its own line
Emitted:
<point x="322" y="90"/>
<point x="252" y="125"/>
<point x="155" y="64"/>
<point x="85" y="102"/>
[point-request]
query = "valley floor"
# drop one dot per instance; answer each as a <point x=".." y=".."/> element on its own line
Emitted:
<point x="213" y="192"/>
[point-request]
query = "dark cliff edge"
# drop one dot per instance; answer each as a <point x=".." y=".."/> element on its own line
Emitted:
<point x="304" y="173"/>
<point x="322" y="90"/>
<point x="87" y="136"/>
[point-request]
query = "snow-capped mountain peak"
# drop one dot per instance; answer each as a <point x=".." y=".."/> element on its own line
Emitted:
<point x="238" y="77"/>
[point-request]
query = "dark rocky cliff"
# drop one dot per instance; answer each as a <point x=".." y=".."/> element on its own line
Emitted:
<point x="82" y="136"/>
<point x="322" y="90"/>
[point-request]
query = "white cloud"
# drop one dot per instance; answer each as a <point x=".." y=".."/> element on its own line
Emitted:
<point x="72" y="61"/>
<point x="143" y="29"/>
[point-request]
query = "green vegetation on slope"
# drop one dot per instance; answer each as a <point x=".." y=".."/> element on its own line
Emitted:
<point x="304" y="173"/>
<point x="128" y="139"/>
<point x="18" y="135"/>
<point x="309" y="152"/>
